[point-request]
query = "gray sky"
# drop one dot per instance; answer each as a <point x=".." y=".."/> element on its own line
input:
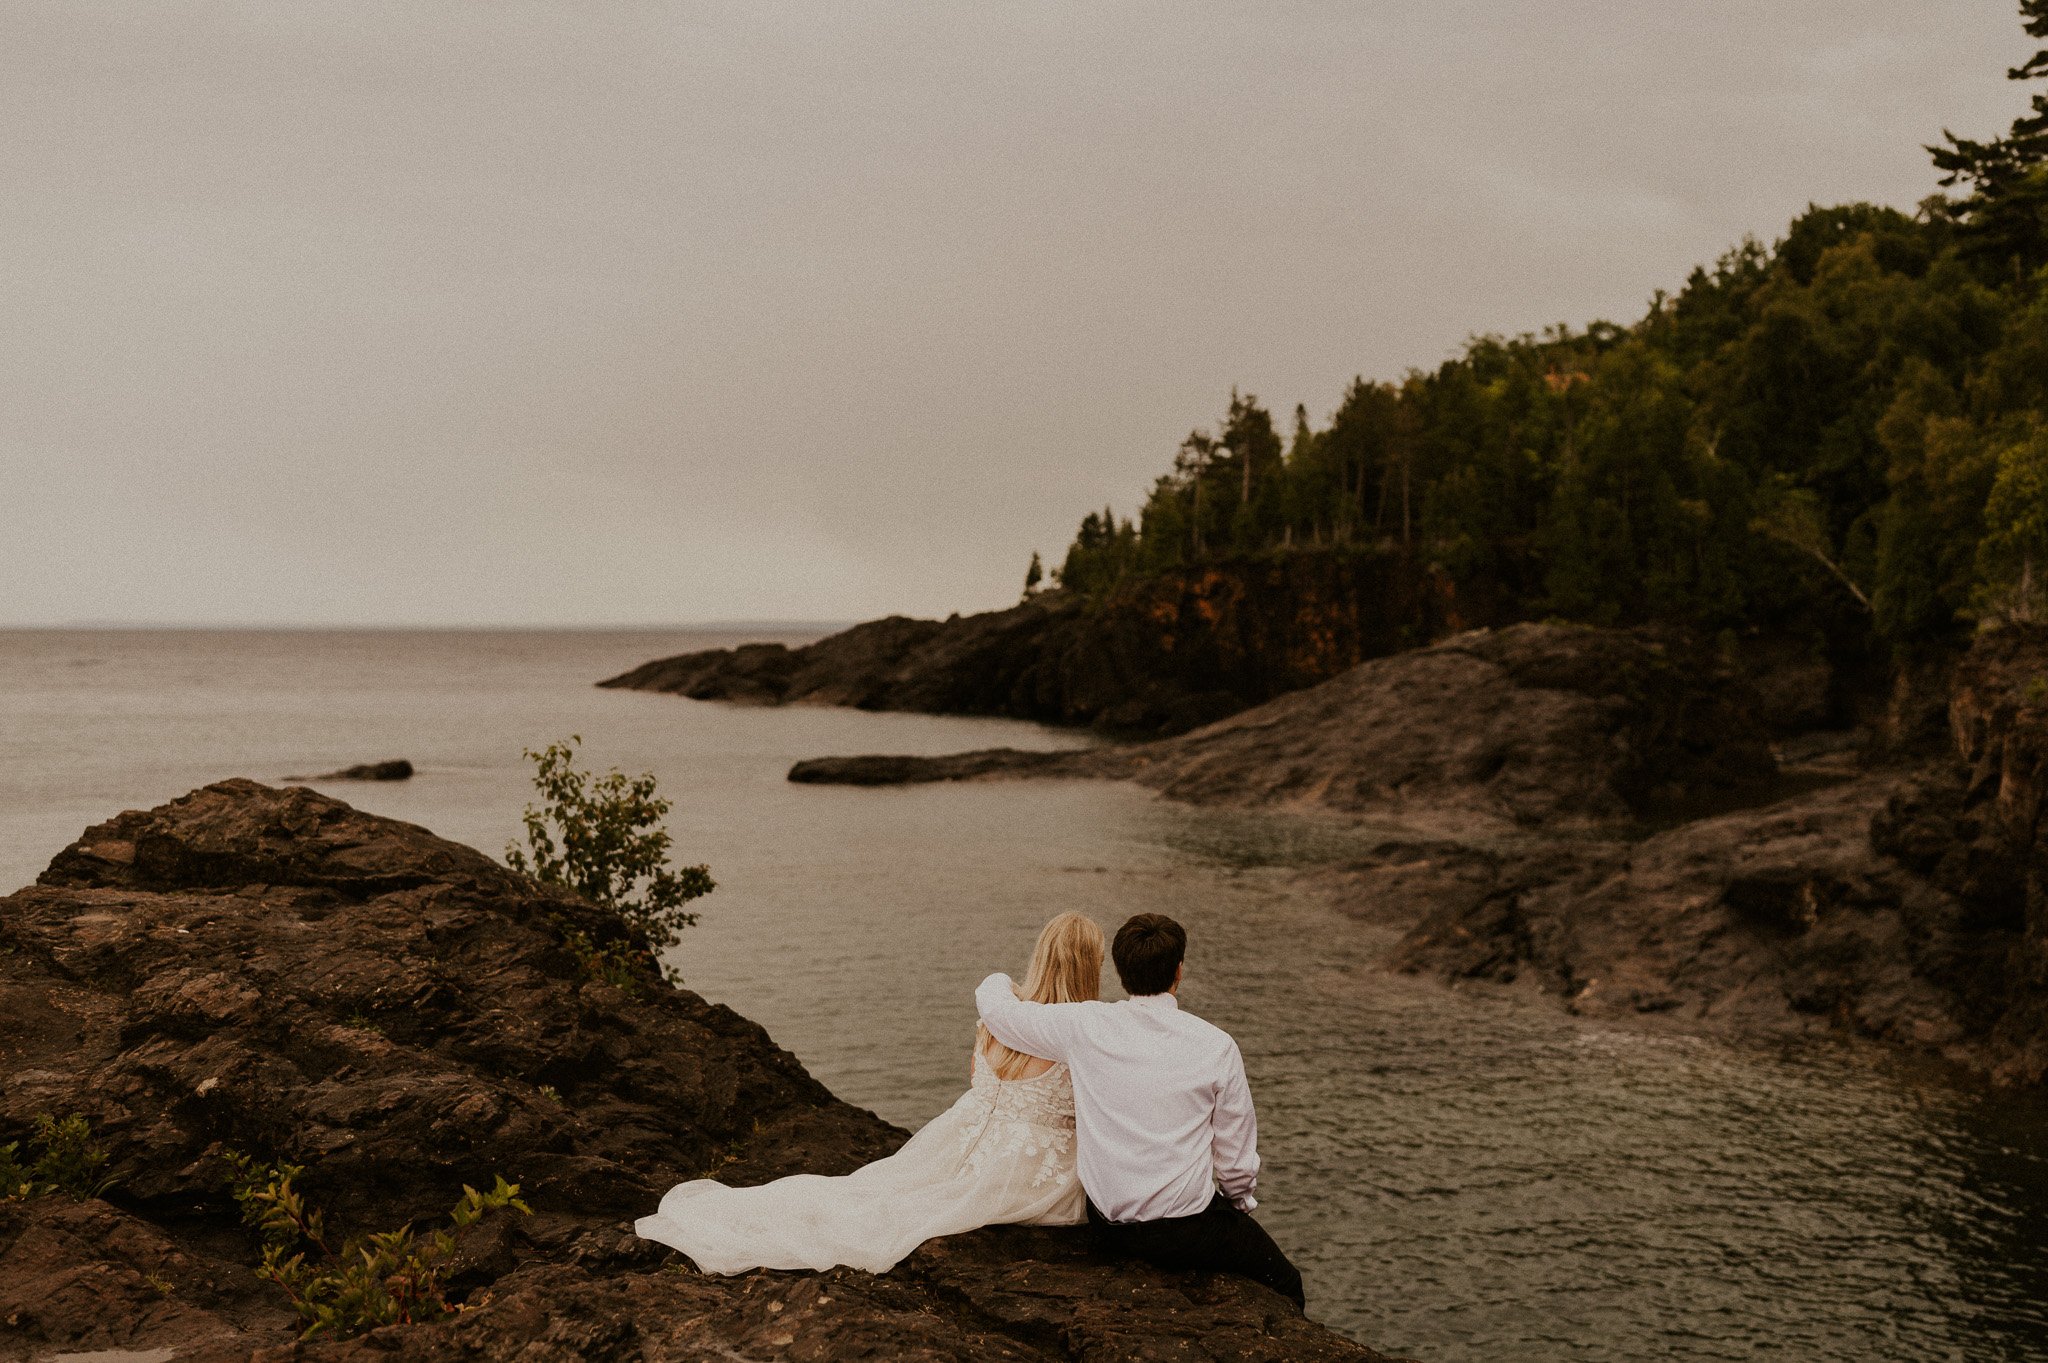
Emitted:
<point x="502" y="312"/>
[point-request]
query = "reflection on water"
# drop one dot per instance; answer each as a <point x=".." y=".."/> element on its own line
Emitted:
<point x="1460" y="1178"/>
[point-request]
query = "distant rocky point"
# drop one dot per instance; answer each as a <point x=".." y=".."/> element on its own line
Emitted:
<point x="1163" y="656"/>
<point x="274" y="972"/>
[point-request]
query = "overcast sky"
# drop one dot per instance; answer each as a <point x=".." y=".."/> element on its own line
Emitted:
<point x="612" y="312"/>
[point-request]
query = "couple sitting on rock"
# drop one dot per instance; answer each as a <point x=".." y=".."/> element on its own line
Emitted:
<point x="1132" y="1116"/>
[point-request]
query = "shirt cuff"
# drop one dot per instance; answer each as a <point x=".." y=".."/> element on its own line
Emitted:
<point x="1245" y="1203"/>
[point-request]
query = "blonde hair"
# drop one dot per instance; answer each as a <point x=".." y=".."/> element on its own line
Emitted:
<point x="1066" y="967"/>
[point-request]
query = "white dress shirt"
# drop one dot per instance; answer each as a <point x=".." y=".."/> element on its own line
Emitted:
<point x="1162" y="1112"/>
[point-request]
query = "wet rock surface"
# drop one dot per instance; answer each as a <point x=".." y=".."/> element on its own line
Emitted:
<point x="275" y="972"/>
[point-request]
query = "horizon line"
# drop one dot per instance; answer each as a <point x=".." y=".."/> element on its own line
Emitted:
<point x="142" y="626"/>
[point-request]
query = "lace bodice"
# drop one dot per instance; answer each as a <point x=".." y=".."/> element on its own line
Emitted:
<point x="1042" y="1100"/>
<point x="1022" y="1121"/>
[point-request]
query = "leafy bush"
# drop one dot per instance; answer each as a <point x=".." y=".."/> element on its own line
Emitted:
<point x="614" y="963"/>
<point x="67" y="1160"/>
<point x="602" y="837"/>
<point x="388" y="1278"/>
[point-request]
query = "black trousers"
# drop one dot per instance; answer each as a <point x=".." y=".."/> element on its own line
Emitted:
<point x="1217" y="1239"/>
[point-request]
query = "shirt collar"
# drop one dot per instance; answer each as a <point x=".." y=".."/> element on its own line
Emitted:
<point x="1168" y="1001"/>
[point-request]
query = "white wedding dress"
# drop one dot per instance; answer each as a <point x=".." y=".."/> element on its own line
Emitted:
<point x="1003" y="1153"/>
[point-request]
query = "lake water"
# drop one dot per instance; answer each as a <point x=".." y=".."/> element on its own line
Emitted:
<point x="1460" y="1177"/>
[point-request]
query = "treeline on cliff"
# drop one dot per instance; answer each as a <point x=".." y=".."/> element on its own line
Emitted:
<point x="1851" y="423"/>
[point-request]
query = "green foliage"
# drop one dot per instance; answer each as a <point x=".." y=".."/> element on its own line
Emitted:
<point x="64" y="1159"/>
<point x="615" y="963"/>
<point x="1843" y="426"/>
<point x="602" y="837"/>
<point x="396" y="1277"/>
<point x="2013" y="556"/>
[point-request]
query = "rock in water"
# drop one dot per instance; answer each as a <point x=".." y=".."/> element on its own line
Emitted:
<point x="397" y="769"/>
<point x="275" y="972"/>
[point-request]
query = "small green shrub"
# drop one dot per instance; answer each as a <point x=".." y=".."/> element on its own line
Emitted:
<point x="614" y="963"/>
<point x="388" y="1278"/>
<point x="66" y="1160"/>
<point x="601" y="836"/>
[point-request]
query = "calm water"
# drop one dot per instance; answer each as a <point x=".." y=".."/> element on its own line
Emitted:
<point x="1460" y="1178"/>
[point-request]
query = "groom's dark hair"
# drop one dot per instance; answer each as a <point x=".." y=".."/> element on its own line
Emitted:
<point x="1148" y="951"/>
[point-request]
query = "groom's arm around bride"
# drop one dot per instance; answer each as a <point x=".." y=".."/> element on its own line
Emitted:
<point x="1162" y="1112"/>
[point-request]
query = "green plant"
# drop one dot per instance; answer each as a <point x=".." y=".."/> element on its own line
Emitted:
<point x="552" y="1094"/>
<point x="613" y="963"/>
<point x="362" y="1022"/>
<point x="391" y="1277"/>
<point x="67" y="1160"/>
<point x="601" y="836"/>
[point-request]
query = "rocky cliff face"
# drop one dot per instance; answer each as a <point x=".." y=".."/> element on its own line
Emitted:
<point x="1159" y="657"/>
<point x="275" y="972"/>
<point x="1973" y="827"/>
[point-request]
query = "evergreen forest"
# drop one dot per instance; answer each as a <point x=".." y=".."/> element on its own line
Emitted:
<point x="1851" y="422"/>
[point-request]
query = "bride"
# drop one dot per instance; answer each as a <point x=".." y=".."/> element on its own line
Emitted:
<point x="1004" y="1152"/>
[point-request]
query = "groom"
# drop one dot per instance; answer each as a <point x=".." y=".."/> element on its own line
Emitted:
<point x="1161" y="1110"/>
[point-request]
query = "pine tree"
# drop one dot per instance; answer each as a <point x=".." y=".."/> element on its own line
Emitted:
<point x="2006" y="215"/>
<point x="1033" y="575"/>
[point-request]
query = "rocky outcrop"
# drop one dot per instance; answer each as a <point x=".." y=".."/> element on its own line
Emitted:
<point x="275" y="972"/>
<point x="880" y="769"/>
<point x="1535" y="724"/>
<point x="1776" y="920"/>
<point x="1159" y="656"/>
<point x="1904" y="903"/>
<point x="397" y="769"/>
